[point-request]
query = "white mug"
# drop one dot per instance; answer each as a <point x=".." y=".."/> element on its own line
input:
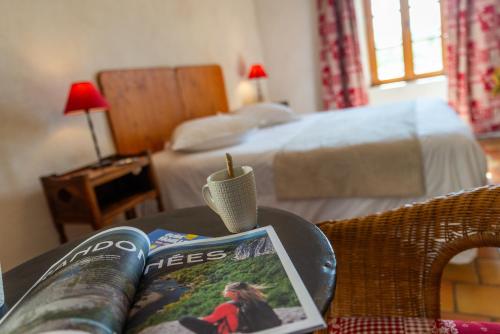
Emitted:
<point x="233" y="199"/>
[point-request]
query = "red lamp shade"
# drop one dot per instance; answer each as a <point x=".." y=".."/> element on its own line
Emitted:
<point x="257" y="71"/>
<point x="84" y="96"/>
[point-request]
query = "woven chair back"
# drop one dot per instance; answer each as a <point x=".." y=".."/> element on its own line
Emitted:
<point x="390" y="264"/>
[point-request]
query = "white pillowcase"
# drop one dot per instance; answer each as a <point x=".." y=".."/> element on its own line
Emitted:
<point x="268" y="114"/>
<point x="211" y="132"/>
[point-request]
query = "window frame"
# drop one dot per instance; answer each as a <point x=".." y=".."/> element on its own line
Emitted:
<point x="409" y="73"/>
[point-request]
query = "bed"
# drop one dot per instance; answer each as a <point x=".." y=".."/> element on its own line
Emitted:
<point x="452" y="161"/>
<point x="147" y="104"/>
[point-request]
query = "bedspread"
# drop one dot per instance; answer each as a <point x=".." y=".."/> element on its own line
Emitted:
<point x="358" y="152"/>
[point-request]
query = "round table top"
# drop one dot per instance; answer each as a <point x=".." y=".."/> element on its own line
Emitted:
<point x="306" y="245"/>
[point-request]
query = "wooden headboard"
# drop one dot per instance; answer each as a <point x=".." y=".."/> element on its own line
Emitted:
<point x="202" y="90"/>
<point x="147" y="104"/>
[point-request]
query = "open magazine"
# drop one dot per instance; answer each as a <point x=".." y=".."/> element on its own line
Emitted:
<point x="110" y="284"/>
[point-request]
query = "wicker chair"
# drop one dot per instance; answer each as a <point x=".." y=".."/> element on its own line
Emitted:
<point x="390" y="264"/>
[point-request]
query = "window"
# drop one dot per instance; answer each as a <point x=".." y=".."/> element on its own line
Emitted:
<point x="404" y="39"/>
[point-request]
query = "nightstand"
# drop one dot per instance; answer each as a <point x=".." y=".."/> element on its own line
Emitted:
<point x="97" y="195"/>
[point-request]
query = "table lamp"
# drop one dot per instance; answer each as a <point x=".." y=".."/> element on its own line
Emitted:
<point x="257" y="72"/>
<point x="83" y="96"/>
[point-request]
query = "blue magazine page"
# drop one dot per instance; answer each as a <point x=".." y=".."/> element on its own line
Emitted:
<point x="161" y="237"/>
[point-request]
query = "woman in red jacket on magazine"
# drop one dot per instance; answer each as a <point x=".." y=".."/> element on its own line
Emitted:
<point x="247" y="311"/>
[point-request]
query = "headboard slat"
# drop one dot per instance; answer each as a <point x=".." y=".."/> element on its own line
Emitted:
<point x="202" y="89"/>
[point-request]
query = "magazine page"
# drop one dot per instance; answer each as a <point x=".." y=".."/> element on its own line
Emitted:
<point x="239" y="283"/>
<point x="161" y="237"/>
<point x="88" y="291"/>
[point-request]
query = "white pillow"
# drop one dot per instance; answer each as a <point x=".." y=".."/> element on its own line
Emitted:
<point x="211" y="132"/>
<point x="268" y="114"/>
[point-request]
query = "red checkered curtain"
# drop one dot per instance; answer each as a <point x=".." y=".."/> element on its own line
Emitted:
<point x="341" y="70"/>
<point x="473" y="55"/>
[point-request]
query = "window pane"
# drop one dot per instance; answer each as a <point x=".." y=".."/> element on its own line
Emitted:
<point x="381" y="8"/>
<point x="427" y="56"/>
<point x="390" y="63"/>
<point x="387" y="31"/>
<point x="425" y="19"/>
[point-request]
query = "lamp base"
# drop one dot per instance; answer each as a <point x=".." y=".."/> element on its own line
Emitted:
<point x="260" y="96"/>
<point x="94" y="138"/>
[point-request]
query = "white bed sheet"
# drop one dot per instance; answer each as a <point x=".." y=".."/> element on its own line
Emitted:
<point x="452" y="159"/>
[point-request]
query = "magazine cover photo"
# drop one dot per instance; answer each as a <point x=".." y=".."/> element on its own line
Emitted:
<point x="243" y="284"/>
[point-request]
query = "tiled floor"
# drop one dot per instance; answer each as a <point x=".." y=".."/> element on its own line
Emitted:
<point x="472" y="291"/>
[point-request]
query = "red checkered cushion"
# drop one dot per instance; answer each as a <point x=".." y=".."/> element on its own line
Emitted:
<point x="401" y="325"/>
<point x="379" y="325"/>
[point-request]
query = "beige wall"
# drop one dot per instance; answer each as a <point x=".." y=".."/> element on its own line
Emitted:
<point x="46" y="45"/>
<point x="289" y="43"/>
<point x="289" y="38"/>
